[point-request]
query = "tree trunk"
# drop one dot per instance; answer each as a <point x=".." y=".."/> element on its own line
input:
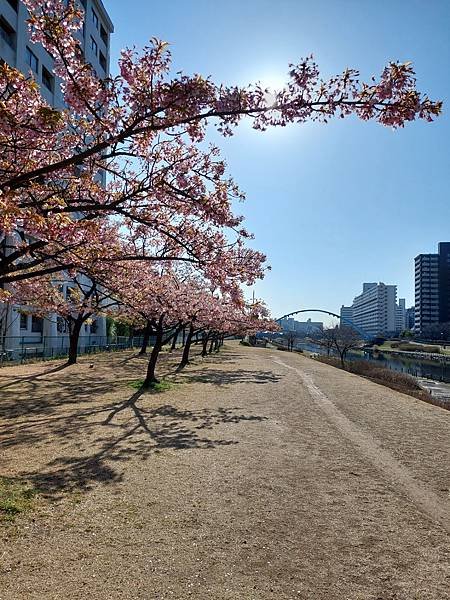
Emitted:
<point x="74" y="336"/>
<point x="204" y="345"/>
<point x="174" y="340"/>
<point x="151" y="369"/>
<point x="145" y="341"/>
<point x="184" y="336"/>
<point x="211" y="346"/>
<point x="342" y="356"/>
<point x="216" y="344"/>
<point x="187" y="347"/>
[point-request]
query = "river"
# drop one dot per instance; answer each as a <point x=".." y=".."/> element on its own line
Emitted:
<point x="421" y="369"/>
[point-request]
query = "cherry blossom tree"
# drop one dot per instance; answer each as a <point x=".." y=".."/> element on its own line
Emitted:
<point x="146" y="130"/>
<point x="73" y="297"/>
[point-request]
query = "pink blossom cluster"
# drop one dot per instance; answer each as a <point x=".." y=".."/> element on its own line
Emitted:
<point x="120" y="186"/>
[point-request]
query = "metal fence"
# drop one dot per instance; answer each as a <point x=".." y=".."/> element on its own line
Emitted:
<point x="26" y="348"/>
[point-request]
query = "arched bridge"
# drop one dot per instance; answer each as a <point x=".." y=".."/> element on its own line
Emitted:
<point x="361" y="332"/>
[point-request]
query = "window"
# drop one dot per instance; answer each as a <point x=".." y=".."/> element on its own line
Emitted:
<point x="95" y="19"/>
<point x="37" y="324"/>
<point x="104" y="35"/>
<point x="94" y="326"/>
<point x="13" y="3"/>
<point x="47" y="79"/>
<point x="32" y="60"/>
<point x="7" y="33"/>
<point x="23" y="321"/>
<point x="102" y="60"/>
<point x="94" y="46"/>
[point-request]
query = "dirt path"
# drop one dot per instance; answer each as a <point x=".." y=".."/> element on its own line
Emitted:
<point x="261" y="475"/>
<point x="369" y="448"/>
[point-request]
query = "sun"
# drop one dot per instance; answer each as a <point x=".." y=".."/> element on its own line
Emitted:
<point x="273" y="82"/>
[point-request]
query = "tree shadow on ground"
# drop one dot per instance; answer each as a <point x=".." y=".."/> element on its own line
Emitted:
<point x="18" y="380"/>
<point x="78" y="430"/>
<point x="96" y="442"/>
<point x="31" y="399"/>
<point x="221" y="377"/>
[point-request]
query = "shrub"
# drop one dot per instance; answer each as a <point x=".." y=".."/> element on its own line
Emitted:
<point x="400" y="382"/>
<point x="409" y="347"/>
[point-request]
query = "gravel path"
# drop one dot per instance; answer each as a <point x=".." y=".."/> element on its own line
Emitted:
<point x="261" y="475"/>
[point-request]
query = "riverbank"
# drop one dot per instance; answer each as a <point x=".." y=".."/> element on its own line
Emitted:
<point x="259" y="475"/>
<point x="434" y="357"/>
<point x="406" y="384"/>
<point x="436" y="370"/>
<point x="413" y="346"/>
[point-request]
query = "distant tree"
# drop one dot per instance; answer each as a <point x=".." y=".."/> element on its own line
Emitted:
<point x="327" y="339"/>
<point x="345" y="339"/>
<point x="116" y="328"/>
<point x="407" y="334"/>
<point x="291" y="337"/>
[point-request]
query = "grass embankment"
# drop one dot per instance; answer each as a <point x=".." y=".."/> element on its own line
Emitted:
<point x="401" y="382"/>
<point x="412" y="347"/>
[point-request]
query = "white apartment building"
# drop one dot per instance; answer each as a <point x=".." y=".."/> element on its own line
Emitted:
<point x="400" y="316"/>
<point x="374" y="311"/>
<point x="346" y="315"/>
<point x="19" y="328"/>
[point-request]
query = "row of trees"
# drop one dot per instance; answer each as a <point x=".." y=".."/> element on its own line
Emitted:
<point x="119" y="194"/>
<point x="339" y="339"/>
<point x="160" y="301"/>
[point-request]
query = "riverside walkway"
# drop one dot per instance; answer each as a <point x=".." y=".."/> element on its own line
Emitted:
<point x="260" y="475"/>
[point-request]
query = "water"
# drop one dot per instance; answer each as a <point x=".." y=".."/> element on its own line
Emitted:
<point x="421" y="369"/>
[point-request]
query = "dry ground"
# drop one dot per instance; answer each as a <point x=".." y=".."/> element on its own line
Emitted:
<point x="261" y="475"/>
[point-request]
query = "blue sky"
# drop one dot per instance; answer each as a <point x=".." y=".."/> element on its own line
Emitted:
<point x="331" y="205"/>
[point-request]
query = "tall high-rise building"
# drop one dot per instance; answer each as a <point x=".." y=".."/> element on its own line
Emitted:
<point x="374" y="311"/>
<point x="410" y="318"/>
<point x="444" y="282"/>
<point x="16" y="326"/>
<point x="400" y="316"/>
<point x="432" y="287"/>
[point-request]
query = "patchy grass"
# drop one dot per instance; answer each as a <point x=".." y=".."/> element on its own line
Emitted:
<point x="156" y="388"/>
<point x="408" y="346"/>
<point x="400" y="382"/>
<point x="15" y="498"/>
